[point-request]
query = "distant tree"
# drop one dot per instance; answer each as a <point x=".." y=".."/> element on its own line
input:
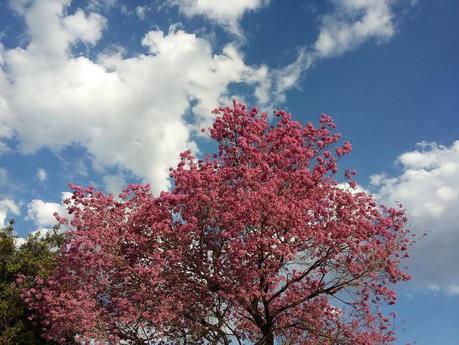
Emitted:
<point x="35" y="257"/>
<point x="256" y="244"/>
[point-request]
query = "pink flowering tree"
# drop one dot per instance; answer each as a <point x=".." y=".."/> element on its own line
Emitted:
<point x="256" y="244"/>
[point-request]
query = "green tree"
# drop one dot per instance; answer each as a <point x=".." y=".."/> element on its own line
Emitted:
<point x="36" y="256"/>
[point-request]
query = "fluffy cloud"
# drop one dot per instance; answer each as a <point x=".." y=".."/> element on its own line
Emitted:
<point x="51" y="32"/>
<point x="224" y="12"/>
<point x="127" y="112"/>
<point x="42" y="212"/>
<point x="137" y="113"/>
<point x="428" y="188"/>
<point x="7" y="206"/>
<point x="352" y="23"/>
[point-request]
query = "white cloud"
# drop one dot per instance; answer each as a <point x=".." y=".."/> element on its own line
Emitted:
<point x="5" y="132"/>
<point x="349" y="25"/>
<point x="114" y="183"/>
<point x="132" y="112"/>
<point x="288" y="77"/>
<point x="127" y="112"/>
<point x="42" y="213"/>
<point x="19" y="241"/>
<point x="224" y="12"/>
<point x="40" y="233"/>
<point x="51" y="32"/>
<point x="7" y="206"/>
<point x="352" y="23"/>
<point x="357" y="189"/>
<point x="41" y="175"/>
<point x="428" y="188"/>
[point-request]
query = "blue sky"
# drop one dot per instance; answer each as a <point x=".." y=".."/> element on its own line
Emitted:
<point x="109" y="92"/>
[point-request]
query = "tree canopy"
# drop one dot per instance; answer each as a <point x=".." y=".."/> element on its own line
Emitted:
<point x="257" y="243"/>
<point x="19" y="266"/>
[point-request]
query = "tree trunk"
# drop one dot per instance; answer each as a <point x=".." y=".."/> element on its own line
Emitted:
<point x="268" y="336"/>
<point x="268" y="339"/>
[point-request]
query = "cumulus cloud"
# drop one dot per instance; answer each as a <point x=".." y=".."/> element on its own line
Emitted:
<point x="51" y="32"/>
<point x="137" y="113"/>
<point x="41" y="175"/>
<point x="127" y="112"/>
<point x="428" y="188"/>
<point x="42" y="212"/>
<point x="352" y="23"/>
<point x="223" y="12"/>
<point x="7" y="207"/>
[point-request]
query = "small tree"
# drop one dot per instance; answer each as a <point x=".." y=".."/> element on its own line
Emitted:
<point x="257" y="243"/>
<point x="19" y="265"/>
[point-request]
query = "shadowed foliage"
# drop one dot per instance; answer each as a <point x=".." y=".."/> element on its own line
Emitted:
<point x="22" y="263"/>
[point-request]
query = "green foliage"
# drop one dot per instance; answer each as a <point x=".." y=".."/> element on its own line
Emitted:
<point x="35" y="257"/>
